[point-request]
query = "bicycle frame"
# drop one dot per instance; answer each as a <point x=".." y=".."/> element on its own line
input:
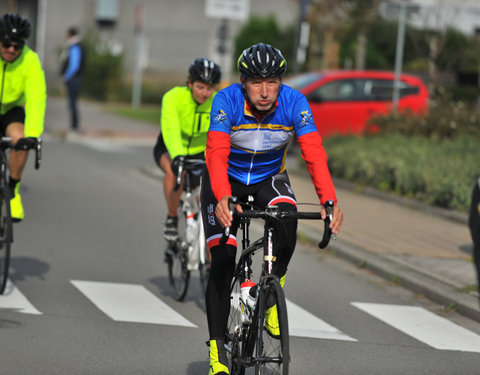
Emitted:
<point x="191" y="205"/>
<point x="188" y="252"/>
<point x="245" y="333"/>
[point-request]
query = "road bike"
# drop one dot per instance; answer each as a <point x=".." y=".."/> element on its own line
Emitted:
<point x="189" y="252"/>
<point x="6" y="229"/>
<point x="248" y="343"/>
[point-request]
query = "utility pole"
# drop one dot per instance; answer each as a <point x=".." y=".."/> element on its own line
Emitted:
<point x="402" y="10"/>
<point x="302" y="38"/>
<point x="138" y="67"/>
<point x="402" y="18"/>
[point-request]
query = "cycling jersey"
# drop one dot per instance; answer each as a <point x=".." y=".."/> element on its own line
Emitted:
<point x="256" y="150"/>
<point x="23" y="83"/>
<point x="184" y="122"/>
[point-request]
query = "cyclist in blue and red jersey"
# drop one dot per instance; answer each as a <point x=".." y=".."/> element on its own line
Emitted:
<point x="251" y="125"/>
<point x="23" y="97"/>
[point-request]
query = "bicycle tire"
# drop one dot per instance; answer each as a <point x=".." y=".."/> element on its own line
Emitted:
<point x="177" y="258"/>
<point x="272" y="354"/>
<point x="204" y="265"/>
<point x="235" y="332"/>
<point x="6" y="232"/>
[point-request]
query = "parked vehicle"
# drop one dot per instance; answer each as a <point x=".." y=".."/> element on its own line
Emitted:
<point x="343" y="101"/>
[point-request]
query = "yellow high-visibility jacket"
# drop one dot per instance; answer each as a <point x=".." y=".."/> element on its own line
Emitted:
<point x="22" y="82"/>
<point x="184" y="122"/>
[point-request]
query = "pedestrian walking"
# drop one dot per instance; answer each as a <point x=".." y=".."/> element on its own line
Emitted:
<point x="72" y="71"/>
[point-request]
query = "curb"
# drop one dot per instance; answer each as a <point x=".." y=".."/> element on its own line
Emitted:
<point x="439" y="291"/>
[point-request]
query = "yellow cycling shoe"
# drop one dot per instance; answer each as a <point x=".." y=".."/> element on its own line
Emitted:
<point x="16" y="206"/>
<point x="218" y="358"/>
<point x="271" y="322"/>
<point x="271" y="317"/>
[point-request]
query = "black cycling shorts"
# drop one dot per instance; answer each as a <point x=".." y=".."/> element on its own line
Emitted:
<point x="274" y="190"/>
<point x="159" y="149"/>
<point x="16" y="114"/>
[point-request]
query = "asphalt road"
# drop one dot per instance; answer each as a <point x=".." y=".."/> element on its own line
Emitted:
<point x="90" y="294"/>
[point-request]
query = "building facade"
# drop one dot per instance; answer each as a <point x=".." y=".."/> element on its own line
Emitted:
<point x="164" y="36"/>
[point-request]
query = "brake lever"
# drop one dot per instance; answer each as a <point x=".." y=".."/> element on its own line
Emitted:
<point x="178" y="182"/>
<point x="327" y="233"/>
<point x="232" y="202"/>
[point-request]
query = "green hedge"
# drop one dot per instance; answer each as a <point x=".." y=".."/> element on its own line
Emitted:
<point x="438" y="172"/>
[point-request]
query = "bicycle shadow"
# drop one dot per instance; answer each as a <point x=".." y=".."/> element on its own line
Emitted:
<point x="23" y="267"/>
<point x="194" y="293"/>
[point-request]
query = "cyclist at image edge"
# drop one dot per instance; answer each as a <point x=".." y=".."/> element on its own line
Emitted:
<point x="23" y="97"/>
<point x="252" y="123"/>
<point x="184" y="124"/>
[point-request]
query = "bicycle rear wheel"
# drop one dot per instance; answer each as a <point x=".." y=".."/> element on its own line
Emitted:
<point x="204" y="256"/>
<point x="178" y="274"/>
<point x="5" y="236"/>
<point x="272" y="353"/>
<point x="235" y="332"/>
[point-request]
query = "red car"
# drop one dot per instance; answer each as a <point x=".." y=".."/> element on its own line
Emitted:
<point x="343" y="101"/>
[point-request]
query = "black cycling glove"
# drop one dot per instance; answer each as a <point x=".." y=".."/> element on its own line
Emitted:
<point x="177" y="164"/>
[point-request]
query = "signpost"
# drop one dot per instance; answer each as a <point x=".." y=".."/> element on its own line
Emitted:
<point x="228" y="9"/>
<point x="236" y="10"/>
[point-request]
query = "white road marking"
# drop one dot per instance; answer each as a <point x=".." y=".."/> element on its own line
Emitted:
<point x="424" y="326"/>
<point x="130" y="303"/>
<point x="304" y="324"/>
<point x="13" y="300"/>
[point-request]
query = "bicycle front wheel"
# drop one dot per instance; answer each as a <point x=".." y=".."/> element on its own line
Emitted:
<point x="272" y="354"/>
<point x="5" y="237"/>
<point x="236" y="329"/>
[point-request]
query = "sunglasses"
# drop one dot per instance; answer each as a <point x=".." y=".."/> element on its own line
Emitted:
<point x="16" y="46"/>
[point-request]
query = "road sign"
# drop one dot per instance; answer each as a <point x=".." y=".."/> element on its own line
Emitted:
<point x="228" y="9"/>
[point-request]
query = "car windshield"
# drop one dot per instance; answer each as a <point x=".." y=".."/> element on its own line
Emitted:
<point x="303" y="80"/>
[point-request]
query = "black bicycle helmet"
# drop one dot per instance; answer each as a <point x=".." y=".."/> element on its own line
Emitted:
<point x="14" y="27"/>
<point x="262" y="60"/>
<point x="204" y="70"/>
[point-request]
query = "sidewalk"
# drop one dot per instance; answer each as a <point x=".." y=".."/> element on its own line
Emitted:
<point x="425" y="249"/>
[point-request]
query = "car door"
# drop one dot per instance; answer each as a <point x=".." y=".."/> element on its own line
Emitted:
<point x="341" y="106"/>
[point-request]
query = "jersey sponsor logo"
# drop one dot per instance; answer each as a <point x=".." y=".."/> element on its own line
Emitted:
<point x="211" y="214"/>
<point x="306" y="117"/>
<point x="221" y="117"/>
<point x="289" y="189"/>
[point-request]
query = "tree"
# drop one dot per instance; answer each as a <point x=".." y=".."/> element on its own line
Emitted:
<point x="265" y="30"/>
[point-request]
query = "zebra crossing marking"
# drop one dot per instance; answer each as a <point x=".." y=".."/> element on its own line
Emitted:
<point x="425" y="326"/>
<point x="12" y="299"/>
<point x="134" y="303"/>
<point x="130" y="303"/>
<point x="302" y="323"/>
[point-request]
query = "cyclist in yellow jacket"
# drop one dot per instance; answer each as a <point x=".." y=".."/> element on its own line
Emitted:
<point x="23" y="97"/>
<point x="185" y="120"/>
